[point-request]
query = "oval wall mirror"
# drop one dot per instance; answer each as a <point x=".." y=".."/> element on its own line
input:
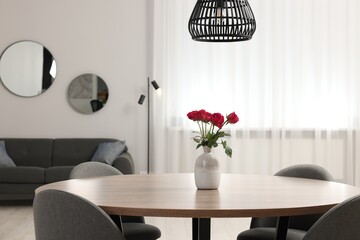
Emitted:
<point x="27" y="68"/>
<point x="88" y="93"/>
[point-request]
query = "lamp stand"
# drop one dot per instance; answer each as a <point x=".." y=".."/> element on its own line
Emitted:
<point x="148" y="127"/>
<point x="141" y="101"/>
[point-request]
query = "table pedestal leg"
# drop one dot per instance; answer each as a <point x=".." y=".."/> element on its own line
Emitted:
<point x="117" y="220"/>
<point x="201" y="228"/>
<point x="281" y="228"/>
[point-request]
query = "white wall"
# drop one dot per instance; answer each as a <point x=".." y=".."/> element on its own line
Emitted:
<point x="110" y="38"/>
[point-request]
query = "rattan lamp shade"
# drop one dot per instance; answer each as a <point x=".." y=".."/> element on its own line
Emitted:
<point x="222" y="21"/>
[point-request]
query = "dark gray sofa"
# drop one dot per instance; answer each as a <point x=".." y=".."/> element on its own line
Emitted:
<point x="40" y="161"/>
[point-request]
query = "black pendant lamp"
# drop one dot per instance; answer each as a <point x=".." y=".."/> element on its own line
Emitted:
<point x="222" y="21"/>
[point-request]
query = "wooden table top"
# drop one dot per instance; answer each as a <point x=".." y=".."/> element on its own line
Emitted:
<point x="239" y="195"/>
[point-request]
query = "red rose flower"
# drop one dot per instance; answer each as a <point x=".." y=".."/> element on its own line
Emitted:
<point x="192" y="115"/>
<point x="232" y="118"/>
<point x="217" y="119"/>
<point x="204" y="116"/>
<point x="200" y="115"/>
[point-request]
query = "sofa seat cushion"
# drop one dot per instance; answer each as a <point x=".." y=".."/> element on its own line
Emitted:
<point x="18" y="190"/>
<point x="22" y="175"/>
<point x="55" y="174"/>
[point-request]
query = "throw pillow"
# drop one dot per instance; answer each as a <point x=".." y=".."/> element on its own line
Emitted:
<point x="108" y="151"/>
<point x="5" y="160"/>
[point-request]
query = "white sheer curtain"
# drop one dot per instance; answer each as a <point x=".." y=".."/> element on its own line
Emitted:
<point x="295" y="87"/>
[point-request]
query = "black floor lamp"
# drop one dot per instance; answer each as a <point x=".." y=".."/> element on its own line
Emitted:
<point x="141" y="101"/>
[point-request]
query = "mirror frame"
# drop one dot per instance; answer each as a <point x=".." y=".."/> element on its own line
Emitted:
<point x="45" y="83"/>
<point x="88" y="93"/>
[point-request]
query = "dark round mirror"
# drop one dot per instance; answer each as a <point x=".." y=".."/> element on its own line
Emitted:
<point x="88" y="93"/>
<point x="27" y="68"/>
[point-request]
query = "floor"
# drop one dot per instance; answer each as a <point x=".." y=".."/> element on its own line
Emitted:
<point x="16" y="223"/>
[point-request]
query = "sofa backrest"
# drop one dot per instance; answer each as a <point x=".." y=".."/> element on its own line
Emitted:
<point x="29" y="151"/>
<point x="73" y="151"/>
<point x="44" y="152"/>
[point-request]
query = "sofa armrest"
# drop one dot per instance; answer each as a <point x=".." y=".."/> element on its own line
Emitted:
<point x="124" y="163"/>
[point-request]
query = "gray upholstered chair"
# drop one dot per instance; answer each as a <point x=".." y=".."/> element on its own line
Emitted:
<point x="93" y="169"/>
<point x="265" y="228"/>
<point x="134" y="227"/>
<point x="60" y="215"/>
<point x="339" y="223"/>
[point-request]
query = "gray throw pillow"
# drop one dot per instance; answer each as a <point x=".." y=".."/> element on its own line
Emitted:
<point x="5" y="160"/>
<point x="108" y="151"/>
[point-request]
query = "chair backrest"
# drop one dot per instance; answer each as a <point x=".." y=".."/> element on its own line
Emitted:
<point x="97" y="169"/>
<point x="303" y="222"/>
<point x="340" y="222"/>
<point x="93" y="169"/>
<point x="60" y="215"/>
<point x="306" y="171"/>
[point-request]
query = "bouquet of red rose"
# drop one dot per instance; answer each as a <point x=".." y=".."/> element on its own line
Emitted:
<point x="208" y="134"/>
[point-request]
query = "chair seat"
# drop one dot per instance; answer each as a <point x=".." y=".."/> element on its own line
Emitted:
<point x="140" y="231"/>
<point x="264" y="233"/>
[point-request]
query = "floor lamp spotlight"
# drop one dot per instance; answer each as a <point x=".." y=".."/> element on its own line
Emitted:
<point x="141" y="101"/>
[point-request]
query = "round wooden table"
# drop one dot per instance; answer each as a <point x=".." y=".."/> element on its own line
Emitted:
<point x="239" y="195"/>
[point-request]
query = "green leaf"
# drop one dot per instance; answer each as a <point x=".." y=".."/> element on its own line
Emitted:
<point x="224" y="143"/>
<point x="199" y="145"/>
<point x="220" y="134"/>
<point x="228" y="151"/>
<point x="212" y="142"/>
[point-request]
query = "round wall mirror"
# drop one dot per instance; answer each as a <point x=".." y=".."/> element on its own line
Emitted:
<point x="27" y="68"/>
<point x="88" y="93"/>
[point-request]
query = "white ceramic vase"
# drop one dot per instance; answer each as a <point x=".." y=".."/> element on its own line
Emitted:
<point x="207" y="170"/>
